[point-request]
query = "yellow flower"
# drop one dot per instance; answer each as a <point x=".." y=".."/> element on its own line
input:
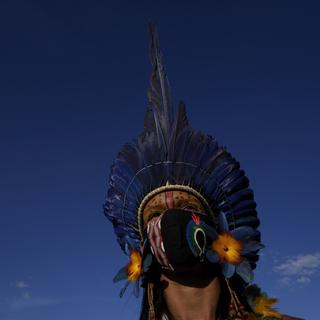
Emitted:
<point x="263" y="306"/>
<point x="227" y="248"/>
<point x="134" y="269"/>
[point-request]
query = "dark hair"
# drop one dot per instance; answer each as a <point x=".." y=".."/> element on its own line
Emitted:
<point x="153" y="286"/>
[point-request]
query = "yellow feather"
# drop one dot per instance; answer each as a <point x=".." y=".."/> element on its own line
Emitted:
<point x="134" y="269"/>
<point x="263" y="307"/>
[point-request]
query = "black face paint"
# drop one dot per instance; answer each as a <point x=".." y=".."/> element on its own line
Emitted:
<point x="178" y="239"/>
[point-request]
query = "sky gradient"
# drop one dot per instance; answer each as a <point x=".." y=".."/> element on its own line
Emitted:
<point x="73" y="83"/>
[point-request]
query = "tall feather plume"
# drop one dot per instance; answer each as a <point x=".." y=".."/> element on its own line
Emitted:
<point x="178" y="131"/>
<point x="159" y="115"/>
<point x="169" y="150"/>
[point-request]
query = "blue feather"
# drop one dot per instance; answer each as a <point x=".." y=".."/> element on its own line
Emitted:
<point x="235" y="182"/>
<point x="225" y="168"/>
<point x="228" y="270"/>
<point x="223" y="223"/>
<point x="244" y="271"/>
<point x="123" y="290"/>
<point x="136" y="287"/>
<point x="147" y="261"/>
<point x="243" y="232"/>
<point x="247" y="221"/>
<point x="211" y="232"/>
<point x="121" y="275"/>
<point x="212" y="256"/>
<point x="251" y="246"/>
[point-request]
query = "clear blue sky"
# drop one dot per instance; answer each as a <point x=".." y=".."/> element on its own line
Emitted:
<point x="73" y="82"/>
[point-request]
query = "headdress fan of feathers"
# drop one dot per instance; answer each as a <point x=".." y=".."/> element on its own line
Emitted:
<point x="170" y="151"/>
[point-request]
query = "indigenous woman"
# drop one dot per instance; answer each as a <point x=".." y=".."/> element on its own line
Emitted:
<point x="183" y="212"/>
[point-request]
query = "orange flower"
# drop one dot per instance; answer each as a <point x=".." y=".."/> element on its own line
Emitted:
<point x="134" y="269"/>
<point x="227" y="248"/>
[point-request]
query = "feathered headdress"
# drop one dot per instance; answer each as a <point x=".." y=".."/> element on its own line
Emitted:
<point x="170" y="155"/>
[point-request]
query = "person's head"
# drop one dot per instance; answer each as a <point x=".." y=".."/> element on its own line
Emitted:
<point x="175" y="226"/>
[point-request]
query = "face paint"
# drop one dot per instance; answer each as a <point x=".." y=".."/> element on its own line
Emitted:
<point x="169" y="200"/>
<point x="178" y="239"/>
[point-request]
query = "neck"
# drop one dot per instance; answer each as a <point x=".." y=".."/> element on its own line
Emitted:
<point x="185" y="302"/>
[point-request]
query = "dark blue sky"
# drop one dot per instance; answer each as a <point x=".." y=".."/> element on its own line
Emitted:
<point x="73" y="82"/>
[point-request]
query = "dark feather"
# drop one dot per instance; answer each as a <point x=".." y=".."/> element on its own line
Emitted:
<point x="179" y="125"/>
<point x="244" y="271"/>
<point x="121" y="275"/>
<point x="147" y="261"/>
<point x="228" y="270"/>
<point x="123" y="290"/>
<point x="159" y="94"/>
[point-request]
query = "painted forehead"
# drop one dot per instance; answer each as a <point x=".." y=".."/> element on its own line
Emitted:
<point x="170" y="199"/>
